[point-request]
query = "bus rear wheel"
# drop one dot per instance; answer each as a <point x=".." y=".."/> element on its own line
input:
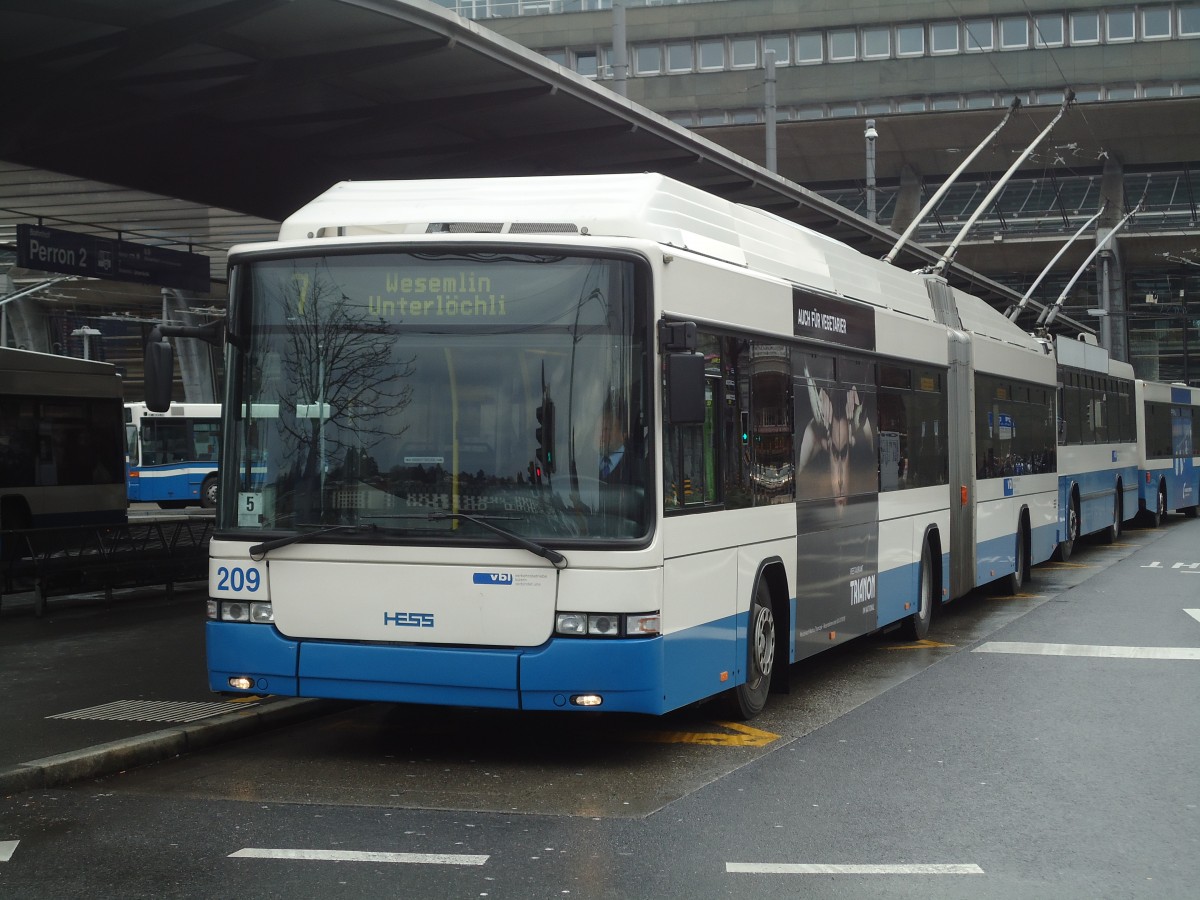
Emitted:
<point x="208" y="493"/>
<point x="1156" y="516"/>
<point x="749" y="698"/>
<point x="1067" y="547"/>
<point x="916" y="626"/>
<point x="1014" y="582"/>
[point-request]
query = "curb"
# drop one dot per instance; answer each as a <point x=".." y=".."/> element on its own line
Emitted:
<point x="116" y="756"/>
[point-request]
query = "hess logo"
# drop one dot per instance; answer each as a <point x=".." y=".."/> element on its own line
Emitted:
<point x="497" y="578"/>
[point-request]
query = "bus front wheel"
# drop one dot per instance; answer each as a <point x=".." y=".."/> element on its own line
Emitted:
<point x="208" y="493"/>
<point x="749" y="698"/>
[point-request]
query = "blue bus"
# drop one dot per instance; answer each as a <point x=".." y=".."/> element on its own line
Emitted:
<point x="1097" y="443"/>
<point x="1167" y="419"/>
<point x="171" y="458"/>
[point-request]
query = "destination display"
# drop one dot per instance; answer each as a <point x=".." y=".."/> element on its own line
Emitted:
<point x="70" y="253"/>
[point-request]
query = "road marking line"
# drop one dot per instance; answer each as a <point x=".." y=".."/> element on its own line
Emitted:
<point x="1194" y="613"/>
<point x="854" y="869"/>
<point x="1092" y="650"/>
<point x="439" y="859"/>
<point x="7" y="849"/>
<point x="923" y="644"/>
<point x="745" y="737"/>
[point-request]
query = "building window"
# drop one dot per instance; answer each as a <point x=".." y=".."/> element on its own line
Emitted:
<point x="842" y="110"/>
<point x="781" y="44"/>
<point x="878" y="108"/>
<point x="743" y="52"/>
<point x="744" y="116"/>
<point x="1157" y="91"/>
<point x="681" y="57"/>
<point x="876" y="43"/>
<point x="585" y="63"/>
<point x="1014" y="33"/>
<point x="939" y="103"/>
<point x="1120" y="93"/>
<point x="712" y="55"/>
<point x="911" y="106"/>
<point x="712" y="118"/>
<point x="1156" y="23"/>
<point x="807" y="113"/>
<point x="1085" y="28"/>
<point x="1087" y="95"/>
<point x="558" y="56"/>
<point x="1119" y="25"/>
<point x="1048" y="31"/>
<point x="808" y="48"/>
<point x="943" y="37"/>
<point x="647" y="59"/>
<point x="910" y="40"/>
<point x="843" y="45"/>
<point x="978" y="35"/>
<point x="981" y="101"/>
<point x="1189" y="20"/>
<point x="1045" y="98"/>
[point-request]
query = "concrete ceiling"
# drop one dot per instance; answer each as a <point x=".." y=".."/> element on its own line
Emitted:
<point x="254" y="106"/>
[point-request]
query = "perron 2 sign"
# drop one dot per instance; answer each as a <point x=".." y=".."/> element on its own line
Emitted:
<point x="54" y="250"/>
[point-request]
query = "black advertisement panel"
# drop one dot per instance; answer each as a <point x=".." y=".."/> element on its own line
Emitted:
<point x="837" y="498"/>
<point x="835" y="321"/>
<point x="70" y="253"/>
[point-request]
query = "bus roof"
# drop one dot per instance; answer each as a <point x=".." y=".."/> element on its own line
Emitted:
<point x="645" y="206"/>
<point x="12" y="360"/>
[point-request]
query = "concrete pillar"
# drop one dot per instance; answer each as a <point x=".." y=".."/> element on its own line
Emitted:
<point x="908" y="199"/>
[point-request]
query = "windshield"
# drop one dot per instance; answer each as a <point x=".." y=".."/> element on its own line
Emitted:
<point x="388" y="389"/>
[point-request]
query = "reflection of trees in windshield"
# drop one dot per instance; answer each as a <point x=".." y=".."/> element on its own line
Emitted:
<point x="343" y="379"/>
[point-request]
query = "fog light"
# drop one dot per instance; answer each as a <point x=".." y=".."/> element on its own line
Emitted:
<point x="605" y="626"/>
<point x="241" y="682"/>
<point x="586" y="700"/>
<point x="235" y="612"/>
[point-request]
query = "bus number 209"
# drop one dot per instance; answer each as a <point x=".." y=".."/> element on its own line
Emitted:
<point x="237" y="579"/>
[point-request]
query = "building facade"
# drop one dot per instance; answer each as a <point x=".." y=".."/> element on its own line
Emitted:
<point x="936" y="78"/>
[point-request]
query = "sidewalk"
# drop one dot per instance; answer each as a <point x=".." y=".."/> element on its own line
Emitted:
<point x="92" y="688"/>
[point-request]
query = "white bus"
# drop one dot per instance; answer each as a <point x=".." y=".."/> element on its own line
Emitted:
<point x="601" y="442"/>
<point x="61" y="460"/>
<point x="171" y="457"/>
<point x="1168" y="422"/>
<point x="1098" y="443"/>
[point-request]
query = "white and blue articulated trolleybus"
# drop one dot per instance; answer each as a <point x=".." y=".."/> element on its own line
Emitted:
<point x="1098" y="443"/>
<point x="1168" y="424"/>
<point x="601" y="442"/>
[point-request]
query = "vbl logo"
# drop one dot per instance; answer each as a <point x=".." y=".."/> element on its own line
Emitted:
<point x="493" y="578"/>
<point x="409" y="619"/>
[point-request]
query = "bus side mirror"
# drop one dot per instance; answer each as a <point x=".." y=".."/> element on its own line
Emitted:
<point x="159" y="372"/>
<point x="685" y="389"/>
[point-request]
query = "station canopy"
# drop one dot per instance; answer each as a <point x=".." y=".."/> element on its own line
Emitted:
<point x="202" y="123"/>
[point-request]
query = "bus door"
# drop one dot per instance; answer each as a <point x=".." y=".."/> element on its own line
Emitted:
<point x="960" y="396"/>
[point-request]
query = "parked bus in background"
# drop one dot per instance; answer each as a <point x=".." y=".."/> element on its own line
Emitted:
<point x="1098" y="449"/>
<point x="172" y="456"/>
<point x="60" y="442"/>
<point x="1168" y="419"/>
<point x="600" y="442"/>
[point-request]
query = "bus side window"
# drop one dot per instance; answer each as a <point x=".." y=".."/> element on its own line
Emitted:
<point x="691" y="458"/>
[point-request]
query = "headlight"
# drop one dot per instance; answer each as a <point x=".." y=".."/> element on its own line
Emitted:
<point x="608" y="625"/>
<point x="235" y="612"/>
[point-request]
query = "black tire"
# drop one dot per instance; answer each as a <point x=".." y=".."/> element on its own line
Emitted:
<point x="749" y="698"/>
<point x="916" y="626"/>
<point x="1113" y="531"/>
<point x="1067" y="546"/>
<point x="208" y="493"/>
<point x="1157" y="515"/>
<point x="1015" y="581"/>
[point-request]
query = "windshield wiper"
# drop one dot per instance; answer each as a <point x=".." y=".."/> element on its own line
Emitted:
<point x="556" y="559"/>
<point x="259" y="551"/>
